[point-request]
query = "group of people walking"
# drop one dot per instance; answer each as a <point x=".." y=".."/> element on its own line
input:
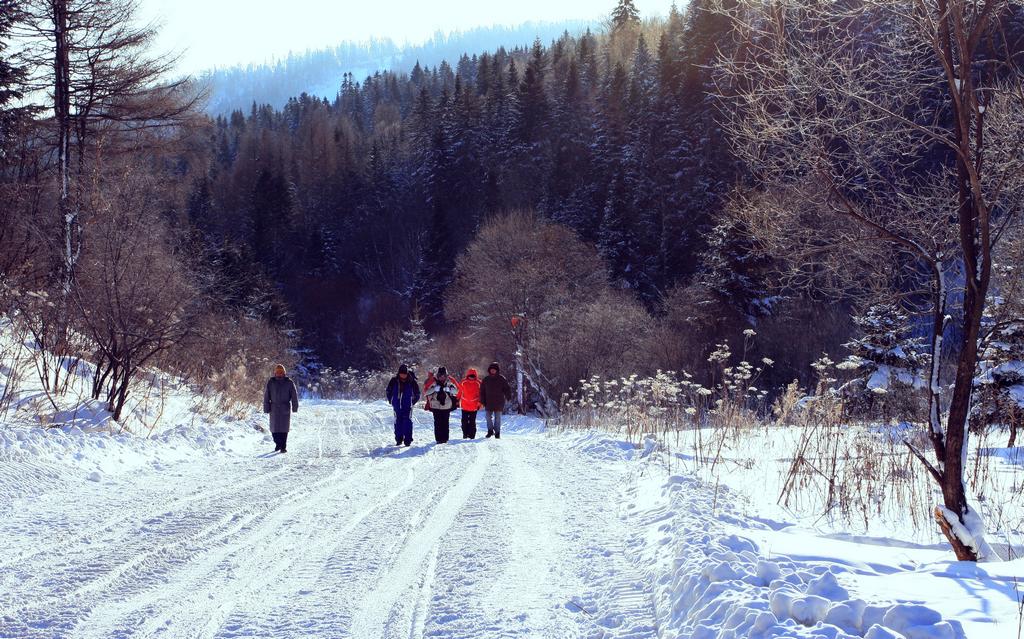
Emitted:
<point x="444" y="394"/>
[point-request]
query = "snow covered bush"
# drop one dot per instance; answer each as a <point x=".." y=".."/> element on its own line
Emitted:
<point x="887" y="366"/>
<point x="999" y="386"/>
<point x="351" y="384"/>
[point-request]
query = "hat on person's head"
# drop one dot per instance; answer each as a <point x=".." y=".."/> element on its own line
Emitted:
<point x="403" y="370"/>
<point x="442" y="372"/>
<point x="494" y="367"/>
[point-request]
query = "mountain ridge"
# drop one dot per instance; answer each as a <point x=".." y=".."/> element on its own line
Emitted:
<point x="319" y="72"/>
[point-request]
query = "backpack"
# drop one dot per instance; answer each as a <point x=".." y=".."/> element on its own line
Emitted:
<point x="442" y="399"/>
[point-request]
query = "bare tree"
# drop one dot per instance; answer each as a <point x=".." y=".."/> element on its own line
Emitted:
<point x="133" y="293"/>
<point x="517" y="281"/>
<point x="93" y="63"/>
<point x="887" y="138"/>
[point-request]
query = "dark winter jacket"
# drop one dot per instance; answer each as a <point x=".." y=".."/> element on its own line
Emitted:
<point x="494" y="392"/>
<point x="403" y="395"/>
<point x="280" y="400"/>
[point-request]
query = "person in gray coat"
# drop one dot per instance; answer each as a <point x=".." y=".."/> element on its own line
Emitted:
<point x="280" y="400"/>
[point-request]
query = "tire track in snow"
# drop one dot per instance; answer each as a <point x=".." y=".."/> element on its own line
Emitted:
<point x="380" y="616"/>
<point x="99" y="573"/>
<point x="508" y="569"/>
<point x="481" y="539"/>
<point x="316" y="596"/>
<point x="162" y="505"/>
<point x="138" y="566"/>
<point x="183" y="603"/>
<point x="422" y="608"/>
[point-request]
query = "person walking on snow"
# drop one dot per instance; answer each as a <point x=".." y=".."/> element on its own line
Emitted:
<point x="280" y="400"/>
<point x="403" y="392"/>
<point x="494" y="393"/>
<point x="442" y="399"/>
<point x="469" y="402"/>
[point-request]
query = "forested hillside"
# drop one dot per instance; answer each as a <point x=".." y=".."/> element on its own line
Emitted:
<point x="359" y="207"/>
<point x="319" y="72"/>
<point x="621" y="201"/>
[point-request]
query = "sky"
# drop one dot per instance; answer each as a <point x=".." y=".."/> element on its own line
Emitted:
<point x="218" y="33"/>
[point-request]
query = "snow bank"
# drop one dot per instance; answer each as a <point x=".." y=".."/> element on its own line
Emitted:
<point x="77" y="440"/>
<point x="720" y="574"/>
<point x="96" y="455"/>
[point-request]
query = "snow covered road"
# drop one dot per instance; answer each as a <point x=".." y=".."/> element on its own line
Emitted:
<point x="342" y="536"/>
<point x="200" y="532"/>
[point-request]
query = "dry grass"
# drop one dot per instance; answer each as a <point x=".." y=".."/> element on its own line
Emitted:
<point x="807" y="450"/>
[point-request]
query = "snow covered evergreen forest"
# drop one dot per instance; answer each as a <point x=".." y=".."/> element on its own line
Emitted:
<point x="316" y="72"/>
<point x="754" y="270"/>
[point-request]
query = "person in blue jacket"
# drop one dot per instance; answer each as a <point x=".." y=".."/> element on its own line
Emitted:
<point x="403" y="393"/>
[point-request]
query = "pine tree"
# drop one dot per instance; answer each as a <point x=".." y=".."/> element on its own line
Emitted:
<point x="567" y="182"/>
<point x="436" y="269"/>
<point x="616" y="115"/>
<point x="273" y="217"/>
<point x="200" y="205"/>
<point x="533" y="102"/>
<point x="625" y="14"/>
<point x="734" y="269"/>
<point x="590" y="72"/>
<point x="421" y="130"/>
<point x="886" y="354"/>
<point x="697" y="169"/>
<point x="461" y="173"/>
<point x="616" y="241"/>
<point x="12" y="81"/>
<point x="417" y="76"/>
<point x="414" y="348"/>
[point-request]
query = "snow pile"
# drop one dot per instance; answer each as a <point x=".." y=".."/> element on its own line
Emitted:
<point x="71" y="452"/>
<point x="720" y="574"/>
<point x="77" y="439"/>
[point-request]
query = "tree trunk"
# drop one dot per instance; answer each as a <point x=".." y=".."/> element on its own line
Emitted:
<point x="939" y="299"/>
<point x="962" y="552"/>
<point x="120" y="395"/>
<point x="519" y="382"/>
<point x="62" y="115"/>
<point x="104" y="367"/>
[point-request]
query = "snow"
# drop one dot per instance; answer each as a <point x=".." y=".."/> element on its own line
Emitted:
<point x="730" y="575"/>
<point x="200" y="531"/>
<point x="342" y="536"/>
<point x="971" y="532"/>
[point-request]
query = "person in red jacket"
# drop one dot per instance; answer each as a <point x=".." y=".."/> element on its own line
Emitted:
<point x="470" y="403"/>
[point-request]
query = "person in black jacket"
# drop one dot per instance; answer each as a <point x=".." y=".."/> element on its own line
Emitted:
<point x="280" y="400"/>
<point x="494" y="393"/>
